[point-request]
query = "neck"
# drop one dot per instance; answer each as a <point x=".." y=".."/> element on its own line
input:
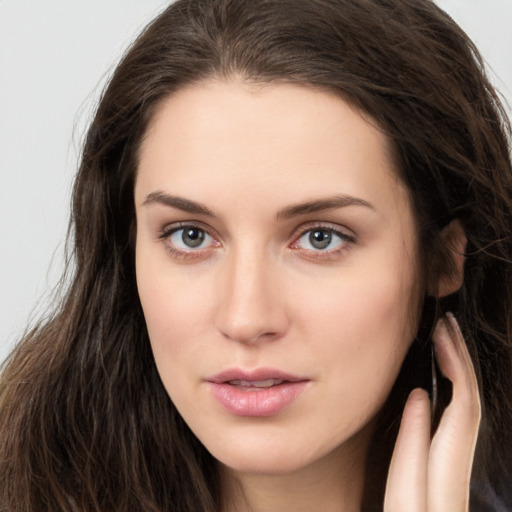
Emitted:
<point x="332" y="484"/>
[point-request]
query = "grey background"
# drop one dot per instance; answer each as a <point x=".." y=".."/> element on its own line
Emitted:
<point x="54" y="58"/>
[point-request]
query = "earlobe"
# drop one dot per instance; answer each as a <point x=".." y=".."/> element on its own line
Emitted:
<point x="454" y="240"/>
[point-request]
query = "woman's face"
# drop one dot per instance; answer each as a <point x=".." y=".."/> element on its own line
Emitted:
<point x="277" y="270"/>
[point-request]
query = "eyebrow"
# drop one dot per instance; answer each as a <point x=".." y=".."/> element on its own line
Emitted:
<point x="177" y="202"/>
<point x="319" y="205"/>
<point x="296" y="210"/>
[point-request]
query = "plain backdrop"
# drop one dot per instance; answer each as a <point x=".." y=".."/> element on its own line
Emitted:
<point x="55" y="56"/>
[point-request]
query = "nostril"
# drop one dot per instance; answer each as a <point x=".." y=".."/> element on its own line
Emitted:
<point x="250" y="337"/>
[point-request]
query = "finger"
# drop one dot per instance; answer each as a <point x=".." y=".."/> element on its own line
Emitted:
<point x="453" y="446"/>
<point x="406" y="487"/>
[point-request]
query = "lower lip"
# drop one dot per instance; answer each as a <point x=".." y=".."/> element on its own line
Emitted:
<point x="257" y="402"/>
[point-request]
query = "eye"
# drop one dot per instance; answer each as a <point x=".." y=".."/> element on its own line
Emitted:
<point x="322" y="239"/>
<point x="188" y="241"/>
<point x="189" y="238"/>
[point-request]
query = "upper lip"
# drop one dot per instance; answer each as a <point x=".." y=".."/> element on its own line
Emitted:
<point x="258" y="374"/>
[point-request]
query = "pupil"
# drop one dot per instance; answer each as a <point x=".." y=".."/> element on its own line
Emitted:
<point x="320" y="239"/>
<point x="193" y="237"/>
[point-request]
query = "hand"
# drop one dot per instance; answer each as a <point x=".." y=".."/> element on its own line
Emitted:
<point x="434" y="476"/>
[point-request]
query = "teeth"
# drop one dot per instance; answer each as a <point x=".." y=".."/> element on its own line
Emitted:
<point x="256" y="383"/>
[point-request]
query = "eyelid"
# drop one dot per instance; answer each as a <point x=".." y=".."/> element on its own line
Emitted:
<point x="328" y="226"/>
<point x="170" y="229"/>
<point x="343" y="232"/>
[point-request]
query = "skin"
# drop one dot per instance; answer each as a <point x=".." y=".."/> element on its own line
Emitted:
<point x="256" y="292"/>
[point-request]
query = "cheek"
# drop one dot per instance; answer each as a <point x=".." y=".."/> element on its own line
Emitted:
<point x="175" y="307"/>
<point x="362" y="303"/>
<point x="175" y="334"/>
<point x="362" y="325"/>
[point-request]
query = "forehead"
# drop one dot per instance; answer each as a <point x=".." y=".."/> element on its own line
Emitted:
<point x="231" y="141"/>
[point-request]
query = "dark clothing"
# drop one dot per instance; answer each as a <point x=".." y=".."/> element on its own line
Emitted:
<point x="485" y="499"/>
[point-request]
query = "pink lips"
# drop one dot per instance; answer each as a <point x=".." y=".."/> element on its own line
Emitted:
<point x="263" y="392"/>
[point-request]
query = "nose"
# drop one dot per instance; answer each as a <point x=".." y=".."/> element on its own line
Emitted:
<point x="251" y="305"/>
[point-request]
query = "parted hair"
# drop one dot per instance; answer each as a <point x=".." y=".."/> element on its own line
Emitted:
<point x="85" y="422"/>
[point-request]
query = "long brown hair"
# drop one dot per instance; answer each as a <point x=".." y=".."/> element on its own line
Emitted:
<point x="85" y="423"/>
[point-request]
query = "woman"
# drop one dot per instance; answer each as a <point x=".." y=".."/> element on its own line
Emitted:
<point x="278" y="205"/>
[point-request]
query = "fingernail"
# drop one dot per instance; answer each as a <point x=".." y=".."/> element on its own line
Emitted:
<point x="451" y="324"/>
<point x="441" y="332"/>
<point x="418" y="394"/>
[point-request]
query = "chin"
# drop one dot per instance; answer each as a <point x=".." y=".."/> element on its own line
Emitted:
<point x="271" y="451"/>
<point x="270" y="464"/>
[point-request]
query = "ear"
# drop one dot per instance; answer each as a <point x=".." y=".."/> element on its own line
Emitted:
<point x="453" y="239"/>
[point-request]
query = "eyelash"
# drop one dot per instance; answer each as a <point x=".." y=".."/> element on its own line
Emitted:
<point x="346" y="241"/>
<point x="184" y="254"/>
<point x="345" y="245"/>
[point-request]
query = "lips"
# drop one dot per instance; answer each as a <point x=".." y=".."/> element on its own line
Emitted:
<point x="255" y="385"/>
<point x="262" y="392"/>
